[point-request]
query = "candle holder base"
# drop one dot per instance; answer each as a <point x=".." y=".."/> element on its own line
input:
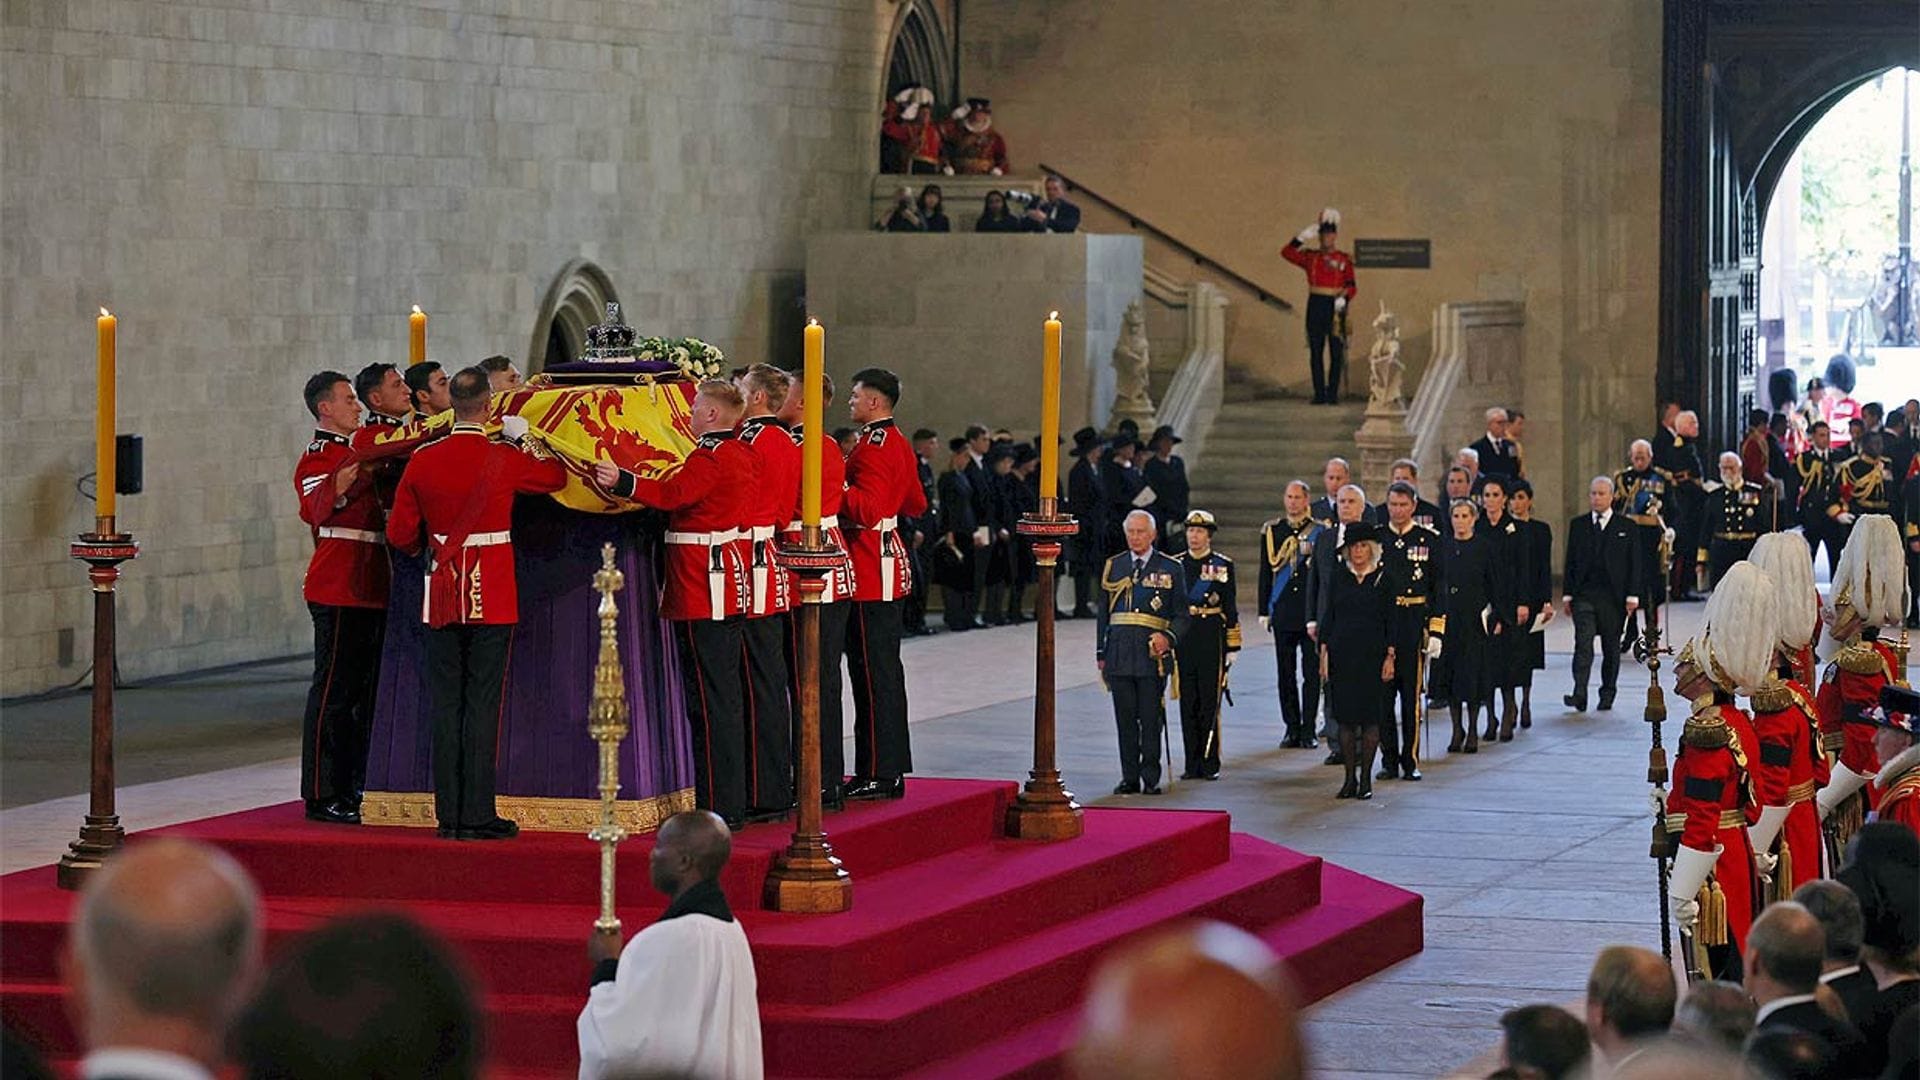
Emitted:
<point x="1045" y="810"/>
<point x="806" y="879"/>
<point x="100" y="837"/>
<point x="103" y="550"/>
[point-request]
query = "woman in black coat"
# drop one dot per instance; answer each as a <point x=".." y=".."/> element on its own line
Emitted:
<point x="1512" y="610"/>
<point x="1539" y="591"/>
<point x="1465" y="588"/>
<point x="1357" y="655"/>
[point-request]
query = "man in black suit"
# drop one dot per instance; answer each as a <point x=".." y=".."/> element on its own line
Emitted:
<point x="1053" y="214"/>
<point x="958" y="522"/>
<point x="1601" y="587"/>
<point x="1675" y="450"/>
<point x="1784" y="952"/>
<point x="1838" y="911"/>
<point x="1349" y="508"/>
<point x="1498" y="455"/>
<point x="980" y="484"/>
<point x="1087" y="502"/>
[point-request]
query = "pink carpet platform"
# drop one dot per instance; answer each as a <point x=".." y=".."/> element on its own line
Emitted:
<point x="965" y="954"/>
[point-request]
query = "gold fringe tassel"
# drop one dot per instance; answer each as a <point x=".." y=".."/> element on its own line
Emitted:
<point x="1713" y="915"/>
<point x="1783" y="873"/>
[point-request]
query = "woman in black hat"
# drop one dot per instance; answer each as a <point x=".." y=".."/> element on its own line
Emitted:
<point x="1536" y="588"/>
<point x="1087" y="502"/>
<point x="1509" y="561"/>
<point x="1466" y="588"/>
<point x="1356" y="654"/>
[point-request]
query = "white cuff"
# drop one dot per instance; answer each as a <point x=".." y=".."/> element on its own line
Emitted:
<point x="1768" y="827"/>
<point x="1839" y="789"/>
<point x="1690" y="869"/>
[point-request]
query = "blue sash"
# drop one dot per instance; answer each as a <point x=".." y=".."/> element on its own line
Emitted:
<point x="1285" y="573"/>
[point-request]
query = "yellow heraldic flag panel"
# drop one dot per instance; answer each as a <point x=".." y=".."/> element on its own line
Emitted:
<point x="644" y="429"/>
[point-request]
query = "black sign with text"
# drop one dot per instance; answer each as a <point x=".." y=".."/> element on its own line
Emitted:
<point x="1393" y="254"/>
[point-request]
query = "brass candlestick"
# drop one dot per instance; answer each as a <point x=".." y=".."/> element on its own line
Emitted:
<point x="1045" y="809"/>
<point x="607" y="723"/>
<point x="103" y="550"/>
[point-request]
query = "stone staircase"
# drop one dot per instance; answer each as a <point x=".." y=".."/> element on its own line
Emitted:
<point x="1259" y="443"/>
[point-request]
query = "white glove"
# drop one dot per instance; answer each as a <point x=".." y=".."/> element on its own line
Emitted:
<point x="1228" y="662"/>
<point x="911" y="112"/>
<point x="1433" y="648"/>
<point x="1761" y="833"/>
<point x="1690" y="869"/>
<point x="997" y="171"/>
<point x="1845" y="517"/>
<point x="1657" y="801"/>
<point x="904" y="96"/>
<point x="1839" y="789"/>
<point x="960" y="112"/>
<point x="1667" y="535"/>
<point x="947" y="169"/>
<point x="1763" y="863"/>
<point x="1339" y="303"/>
<point x="1308" y="234"/>
<point x="513" y="428"/>
<point x="1265" y="624"/>
<point x="1685" y="912"/>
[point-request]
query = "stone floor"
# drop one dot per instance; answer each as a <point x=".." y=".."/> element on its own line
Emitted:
<point x="1531" y="855"/>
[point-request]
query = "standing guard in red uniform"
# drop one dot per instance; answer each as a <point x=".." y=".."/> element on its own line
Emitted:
<point x="836" y="603"/>
<point x="1893" y="737"/>
<point x="456" y="501"/>
<point x="1330" y="288"/>
<point x="883" y="486"/>
<point x="1711" y="892"/>
<point x="346" y="593"/>
<point x="707" y="594"/>
<point x="1783" y="711"/>
<point x="776" y="502"/>
<point x="1869" y="592"/>
<point x="973" y="147"/>
<point x="909" y="135"/>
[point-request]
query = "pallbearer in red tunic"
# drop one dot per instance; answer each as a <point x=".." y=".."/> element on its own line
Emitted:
<point x="1711" y="892"/>
<point x="1893" y="737"/>
<point x="1869" y="592"/>
<point x="707" y="593"/>
<point x="456" y="501"/>
<point x="883" y="487"/>
<point x="1793" y="759"/>
<point x="346" y="593"/>
<point x="837" y="602"/>
<point x="776" y="501"/>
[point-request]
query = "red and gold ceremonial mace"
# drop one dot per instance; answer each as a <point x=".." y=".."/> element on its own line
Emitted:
<point x="806" y="878"/>
<point x="1045" y="809"/>
<point x="103" y="550"/>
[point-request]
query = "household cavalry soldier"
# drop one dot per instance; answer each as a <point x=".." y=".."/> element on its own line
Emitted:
<point x="1144" y="613"/>
<point x="1869" y="593"/>
<point x="346" y="594"/>
<point x="769" y="716"/>
<point x="1205" y="652"/>
<point x="706" y="591"/>
<point x="1784" y="717"/>
<point x="1899" y="779"/>
<point x="1711" y="893"/>
<point x="1407" y="553"/>
<point x="882" y="489"/>
<point x="1640" y="493"/>
<point x="836" y="603"/>
<point x="1738" y="512"/>
<point x="1286" y="547"/>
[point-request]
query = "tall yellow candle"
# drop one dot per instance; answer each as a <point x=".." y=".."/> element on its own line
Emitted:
<point x="103" y="459"/>
<point x="813" y="421"/>
<point x="1050" y="409"/>
<point x="416" y="336"/>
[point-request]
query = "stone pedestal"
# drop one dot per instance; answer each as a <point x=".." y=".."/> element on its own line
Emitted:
<point x="958" y="317"/>
<point x="1382" y="439"/>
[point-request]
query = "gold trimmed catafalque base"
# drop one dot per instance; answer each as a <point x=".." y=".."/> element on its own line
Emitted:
<point x="534" y="813"/>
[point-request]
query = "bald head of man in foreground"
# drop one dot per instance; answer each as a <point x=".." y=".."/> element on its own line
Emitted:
<point x="1202" y="1002"/>
<point x="164" y="950"/>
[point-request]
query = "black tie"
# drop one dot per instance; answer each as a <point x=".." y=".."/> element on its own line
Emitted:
<point x="1597" y="523"/>
<point x="1139" y="570"/>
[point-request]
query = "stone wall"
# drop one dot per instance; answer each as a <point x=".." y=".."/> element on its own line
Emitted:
<point x="1521" y="137"/>
<point x="261" y="190"/>
<point x="958" y="318"/>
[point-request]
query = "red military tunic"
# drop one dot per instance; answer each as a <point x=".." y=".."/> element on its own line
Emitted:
<point x="1712" y="804"/>
<point x="1900" y="795"/>
<point x="471" y="575"/>
<point x="776" y="501"/>
<point x="1793" y="765"/>
<point x="918" y="138"/>
<point x="975" y="153"/>
<point x="1852" y="686"/>
<point x="349" y="563"/>
<point x="708" y="498"/>
<point x="1329" y="273"/>
<point x="883" y="485"/>
<point x="833" y="479"/>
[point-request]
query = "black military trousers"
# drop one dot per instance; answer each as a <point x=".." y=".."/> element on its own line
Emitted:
<point x="1321" y="340"/>
<point x="833" y="649"/>
<point x="1825" y="530"/>
<point x="1200" y="709"/>
<point x="913" y="611"/>
<point x="1400" y="736"/>
<point x="1606" y="617"/>
<point x="1298" y="659"/>
<point x="1722" y="554"/>
<point x="1140" y="715"/>
<point x="713" y="677"/>
<point x="339" y="718"/>
<point x="466" y="682"/>
<point x="881" y="749"/>
<point x="768" y="741"/>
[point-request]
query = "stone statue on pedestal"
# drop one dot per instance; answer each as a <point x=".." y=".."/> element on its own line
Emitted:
<point x="1383" y="437"/>
<point x="1384" y="368"/>
<point x="1130" y="361"/>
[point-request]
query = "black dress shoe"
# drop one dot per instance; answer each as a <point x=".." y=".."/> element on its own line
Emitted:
<point x="1334" y="758"/>
<point x="833" y="797"/>
<point x="332" y="812"/>
<point x="1391" y="772"/>
<point x="1410" y="773"/>
<point x="497" y="829"/>
<point x="765" y="815"/>
<point x="1574" y="702"/>
<point x="1308" y="742"/>
<point x="883" y="787"/>
<point x="1124" y="788"/>
<point x="735" y="824"/>
<point x="1347" y="790"/>
<point x="1189" y="775"/>
<point x="1606" y="703"/>
<point x="1210" y="776"/>
<point x="447" y="832"/>
<point x="1080" y="613"/>
<point x="1150" y="789"/>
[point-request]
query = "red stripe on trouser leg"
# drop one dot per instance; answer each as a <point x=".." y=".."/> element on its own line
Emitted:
<point x="873" y="705"/>
<point x="706" y="714"/>
<point x="753" y="726"/>
<point x="320" y="717"/>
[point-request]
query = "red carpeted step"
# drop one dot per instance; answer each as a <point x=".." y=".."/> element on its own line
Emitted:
<point x="1033" y="1052"/>
<point x="941" y="1011"/>
<point x="36" y="1011"/>
<point x="1360" y="926"/>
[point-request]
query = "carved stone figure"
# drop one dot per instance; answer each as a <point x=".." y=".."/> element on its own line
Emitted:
<point x="1383" y="364"/>
<point x="1130" y="360"/>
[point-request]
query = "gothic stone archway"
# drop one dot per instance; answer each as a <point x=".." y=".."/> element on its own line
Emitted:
<point x="576" y="300"/>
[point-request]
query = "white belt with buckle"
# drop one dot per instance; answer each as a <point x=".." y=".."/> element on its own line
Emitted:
<point x="706" y="539"/>
<point x="485" y="539"/>
<point x="363" y="536"/>
<point x="827" y="521"/>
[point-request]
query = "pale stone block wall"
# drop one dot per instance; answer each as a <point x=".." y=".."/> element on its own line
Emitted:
<point x="1521" y="136"/>
<point x="260" y="191"/>
<point x="958" y="318"/>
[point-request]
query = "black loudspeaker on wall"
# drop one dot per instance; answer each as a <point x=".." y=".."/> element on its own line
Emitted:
<point x="129" y="464"/>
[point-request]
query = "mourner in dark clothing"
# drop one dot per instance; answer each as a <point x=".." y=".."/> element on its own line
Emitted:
<point x="1120" y="476"/>
<point x="1357" y="653"/>
<point x="1166" y="473"/>
<point x="1286" y="550"/>
<point x="1207" y="649"/>
<point x="931" y="216"/>
<point x="1466" y="588"/>
<point x="1408" y="553"/>
<point x="1350" y="507"/>
<point x="1142" y="615"/>
<point x="958" y="523"/>
<point x="922" y="534"/>
<point x="1601" y="585"/>
<point x="1512" y="611"/>
<point x="1087" y="502"/>
<point x="995" y="217"/>
<point x="1675" y="451"/>
<point x="1537" y="590"/>
<point x="1003" y="516"/>
<point x="1499" y="455"/>
<point x="1640" y="493"/>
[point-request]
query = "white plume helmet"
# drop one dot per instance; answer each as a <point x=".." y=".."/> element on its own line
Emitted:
<point x="1784" y="557"/>
<point x="1330" y="216"/>
<point x="1735" y="644"/>
<point x="1871" y="577"/>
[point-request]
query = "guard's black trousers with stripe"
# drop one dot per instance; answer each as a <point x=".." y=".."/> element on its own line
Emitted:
<point x="339" y="718"/>
<point x="713" y="674"/>
<point x="880" y="744"/>
<point x="769" y="717"/>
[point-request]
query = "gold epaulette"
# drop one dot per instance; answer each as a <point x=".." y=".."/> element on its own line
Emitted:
<point x="1772" y="696"/>
<point x="1707" y="729"/>
<point x="1859" y="657"/>
<point x="1437" y="624"/>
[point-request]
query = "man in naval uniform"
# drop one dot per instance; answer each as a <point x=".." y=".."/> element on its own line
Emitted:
<point x="1738" y="511"/>
<point x="1640" y="493"/>
<point x="1141" y="617"/>
<point x="1287" y="545"/>
<point x="1407" y="551"/>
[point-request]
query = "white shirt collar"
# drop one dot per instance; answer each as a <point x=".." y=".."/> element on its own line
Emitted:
<point x="142" y="1063"/>
<point x="1838" y="973"/>
<point x="1777" y="1004"/>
